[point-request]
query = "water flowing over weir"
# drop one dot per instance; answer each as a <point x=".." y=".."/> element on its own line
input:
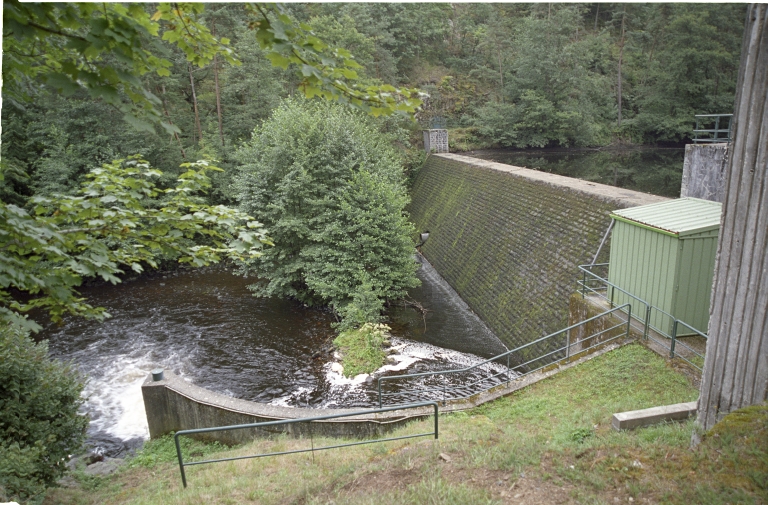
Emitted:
<point x="208" y="328"/>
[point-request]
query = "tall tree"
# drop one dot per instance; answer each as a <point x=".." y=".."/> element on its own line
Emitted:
<point x="329" y="187"/>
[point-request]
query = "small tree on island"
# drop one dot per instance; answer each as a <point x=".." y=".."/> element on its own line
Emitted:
<point x="329" y="187"/>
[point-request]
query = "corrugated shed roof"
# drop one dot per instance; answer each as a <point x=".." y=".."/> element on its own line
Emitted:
<point x="680" y="217"/>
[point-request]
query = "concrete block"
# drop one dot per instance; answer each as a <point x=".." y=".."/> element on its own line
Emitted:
<point x="704" y="172"/>
<point x="639" y="418"/>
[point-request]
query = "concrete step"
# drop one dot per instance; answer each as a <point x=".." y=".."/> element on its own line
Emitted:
<point x="639" y="418"/>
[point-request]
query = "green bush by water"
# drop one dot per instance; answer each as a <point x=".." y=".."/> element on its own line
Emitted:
<point x="362" y="349"/>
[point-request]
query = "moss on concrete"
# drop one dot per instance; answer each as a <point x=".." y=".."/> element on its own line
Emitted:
<point x="508" y="244"/>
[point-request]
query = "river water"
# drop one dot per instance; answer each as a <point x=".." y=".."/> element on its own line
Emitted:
<point x="207" y="327"/>
<point x="655" y="170"/>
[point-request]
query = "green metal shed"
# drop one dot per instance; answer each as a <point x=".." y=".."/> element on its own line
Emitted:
<point x="664" y="253"/>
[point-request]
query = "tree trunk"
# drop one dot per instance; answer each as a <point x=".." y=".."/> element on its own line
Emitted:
<point x="736" y="363"/>
<point x="596" y="15"/>
<point x="218" y="94"/>
<point x="621" y="55"/>
<point x="194" y="102"/>
<point x="501" y="77"/>
<point x="176" y="135"/>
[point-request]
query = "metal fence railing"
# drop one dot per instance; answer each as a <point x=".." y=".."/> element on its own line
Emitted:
<point x="309" y="420"/>
<point x="711" y="128"/>
<point x="594" y="282"/>
<point x="548" y="351"/>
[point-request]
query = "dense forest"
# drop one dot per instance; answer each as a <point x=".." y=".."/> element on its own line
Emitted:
<point x="509" y="75"/>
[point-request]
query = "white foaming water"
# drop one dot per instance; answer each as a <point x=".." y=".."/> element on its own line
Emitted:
<point x="113" y="395"/>
<point x="290" y="400"/>
<point x="408" y="353"/>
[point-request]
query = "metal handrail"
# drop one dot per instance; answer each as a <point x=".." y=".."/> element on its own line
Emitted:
<point x="646" y="324"/>
<point x="676" y="342"/>
<point x="716" y="131"/>
<point x="585" y="287"/>
<point x="507" y="354"/>
<point x="182" y="464"/>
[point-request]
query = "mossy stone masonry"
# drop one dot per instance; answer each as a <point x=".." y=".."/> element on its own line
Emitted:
<point x="510" y="239"/>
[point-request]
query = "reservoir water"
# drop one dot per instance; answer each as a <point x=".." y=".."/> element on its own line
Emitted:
<point x="207" y="327"/>
<point x="655" y="170"/>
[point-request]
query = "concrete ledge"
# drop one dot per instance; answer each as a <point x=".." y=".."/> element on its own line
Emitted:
<point x="639" y="418"/>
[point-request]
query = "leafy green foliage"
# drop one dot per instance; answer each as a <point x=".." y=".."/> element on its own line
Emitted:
<point x="329" y="188"/>
<point x="39" y="423"/>
<point x="100" y="48"/>
<point x="365" y="306"/>
<point x="106" y="49"/>
<point x="693" y="72"/>
<point x="115" y="222"/>
<point x="362" y="349"/>
<point x="555" y="95"/>
<point x="326" y="71"/>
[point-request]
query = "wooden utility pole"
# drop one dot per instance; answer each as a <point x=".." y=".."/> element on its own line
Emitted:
<point x="736" y="364"/>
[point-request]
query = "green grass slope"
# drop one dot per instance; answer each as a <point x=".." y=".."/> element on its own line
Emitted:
<point x="549" y="443"/>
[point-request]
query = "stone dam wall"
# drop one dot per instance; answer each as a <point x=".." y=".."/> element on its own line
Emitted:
<point x="509" y="240"/>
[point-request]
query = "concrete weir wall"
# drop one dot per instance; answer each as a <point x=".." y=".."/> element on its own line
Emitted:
<point x="509" y="239"/>
<point x="173" y="404"/>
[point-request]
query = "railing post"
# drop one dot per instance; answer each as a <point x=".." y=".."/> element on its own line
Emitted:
<point x="435" y="406"/>
<point x="629" y="319"/>
<point x="445" y="386"/>
<point x="613" y="289"/>
<point x="379" y="392"/>
<point x="567" y="345"/>
<point x="508" y="378"/>
<point x="717" y="128"/>
<point x="584" y="285"/>
<point x="696" y="132"/>
<point x="647" y="321"/>
<point x="312" y="441"/>
<point x="181" y="461"/>
<point x="674" y="338"/>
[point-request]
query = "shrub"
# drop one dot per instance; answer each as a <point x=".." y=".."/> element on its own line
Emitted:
<point x="39" y="421"/>
<point x="362" y="349"/>
<point x="330" y="188"/>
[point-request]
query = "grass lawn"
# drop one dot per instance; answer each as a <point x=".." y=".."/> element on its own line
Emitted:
<point x="549" y="443"/>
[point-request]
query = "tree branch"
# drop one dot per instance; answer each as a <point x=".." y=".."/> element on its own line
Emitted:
<point x="55" y="32"/>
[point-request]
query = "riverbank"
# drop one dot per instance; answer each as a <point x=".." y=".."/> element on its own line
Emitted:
<point x="549" y="443"/>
